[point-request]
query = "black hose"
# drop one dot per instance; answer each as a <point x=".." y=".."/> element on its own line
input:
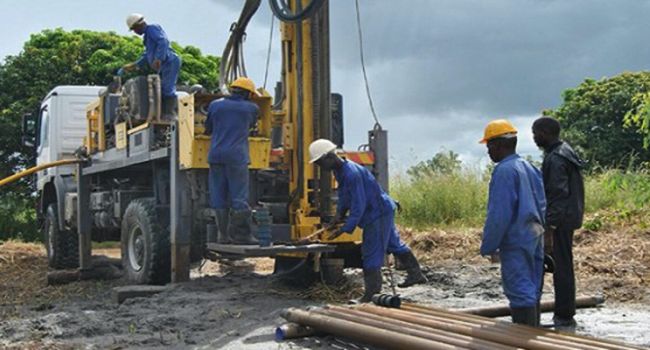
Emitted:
<point x="232" y="60"/>
<point x="282" y="11"/>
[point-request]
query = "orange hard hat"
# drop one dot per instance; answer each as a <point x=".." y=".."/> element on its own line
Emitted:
<point x="498" y="128"/>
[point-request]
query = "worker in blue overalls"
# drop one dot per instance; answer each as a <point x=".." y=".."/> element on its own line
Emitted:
<point x="371" y="209"/>
<point x="159" y="55"/>
<point x="229" y="121"/>
<point x="514" y="225"/>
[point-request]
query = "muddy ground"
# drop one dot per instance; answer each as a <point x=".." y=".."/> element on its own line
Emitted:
<point x="237" y="306"/>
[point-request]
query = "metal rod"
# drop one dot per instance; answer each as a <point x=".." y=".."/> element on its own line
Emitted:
<point x="412" y="329"/>
<point x="494" y="334"/>
<point x="513" y="330"/>
<point x="292" y="331"/>
<point x="363" y="333"/>
<point x="546" y="306"/>
<point x="603" y="343"/>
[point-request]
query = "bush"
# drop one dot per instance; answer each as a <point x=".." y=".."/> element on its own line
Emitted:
<point x="18" y="219"/>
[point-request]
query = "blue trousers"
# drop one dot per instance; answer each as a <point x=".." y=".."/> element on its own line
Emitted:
<point x="228" y="185"/>
<point x="381" y="237"/>
<point x="522" y="270"/>
<point x="169" y="75"/>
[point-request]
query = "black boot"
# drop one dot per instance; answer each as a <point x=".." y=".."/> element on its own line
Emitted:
<point x="524" y="315"/>
<point x="223" y="216"/>
<point x="371" y="283"/>
<point x="414" y="273"/>
<point x="240" y="228"/>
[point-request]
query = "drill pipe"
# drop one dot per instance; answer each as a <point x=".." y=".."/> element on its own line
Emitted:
<point x="546" y="306"/>
<point x="363" y="333"/>
<point x="293" y="330"/>
<point x="477" y="331"/>
<point x="602" y="343"/>
<point x="515" y="330"/>
<point x="411" y="329"/>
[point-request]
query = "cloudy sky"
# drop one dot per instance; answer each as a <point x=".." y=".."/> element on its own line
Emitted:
<point x="439" y="69"/>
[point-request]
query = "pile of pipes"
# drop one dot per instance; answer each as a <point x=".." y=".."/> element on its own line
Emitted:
<point x="414" y="326"/>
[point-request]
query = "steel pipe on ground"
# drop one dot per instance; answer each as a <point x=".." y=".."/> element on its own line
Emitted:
<point x="546" y="306"/>
<point x="412" y="329"/>
<point x="600" y="343"/>
<point x="488" y="333"/>
<point x="363" y="333"/>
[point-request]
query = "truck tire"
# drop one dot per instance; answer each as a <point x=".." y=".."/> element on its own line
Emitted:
<point x="62" y="245"/>
<point x="146" y="254"/>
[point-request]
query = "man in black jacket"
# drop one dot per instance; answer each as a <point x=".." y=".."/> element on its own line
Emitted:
<point x="564" y="188"/>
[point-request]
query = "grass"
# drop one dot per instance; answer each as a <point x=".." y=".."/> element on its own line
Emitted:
<point x="459" y="199"/>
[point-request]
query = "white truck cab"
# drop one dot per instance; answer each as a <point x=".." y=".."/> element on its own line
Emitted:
<point x="62" y="126"/>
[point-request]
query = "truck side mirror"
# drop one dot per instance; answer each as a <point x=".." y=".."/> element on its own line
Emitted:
<point x="29" y="130"/>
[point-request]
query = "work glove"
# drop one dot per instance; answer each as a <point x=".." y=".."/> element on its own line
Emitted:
<point x="335" y="234"/>
<point x="126" y="68"/>
<point x="155" y="65"/>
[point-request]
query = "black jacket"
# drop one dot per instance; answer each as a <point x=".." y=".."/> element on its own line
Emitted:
<point x="564" y="187"/>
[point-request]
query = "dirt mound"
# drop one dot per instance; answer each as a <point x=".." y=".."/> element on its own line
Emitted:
<point x="613" y="261"/>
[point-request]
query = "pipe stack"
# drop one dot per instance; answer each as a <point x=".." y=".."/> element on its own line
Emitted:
<point x="415" y="326"/>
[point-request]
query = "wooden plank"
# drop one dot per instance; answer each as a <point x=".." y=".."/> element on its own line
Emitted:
<point x="127" y="292"/>
<point x="254" y="250"/>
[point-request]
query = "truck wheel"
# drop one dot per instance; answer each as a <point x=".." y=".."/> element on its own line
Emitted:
<point x="62" y="245"/>
<point x="146" y="255"/>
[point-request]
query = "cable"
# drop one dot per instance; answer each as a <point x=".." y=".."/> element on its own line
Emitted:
<point x="232" y="60"/>
<point x="281" y="9"/>
<point x="268" y="52"/>
<point x="363" y="66"/>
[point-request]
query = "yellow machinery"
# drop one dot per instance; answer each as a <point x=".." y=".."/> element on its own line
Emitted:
<point x="144" y="178"/>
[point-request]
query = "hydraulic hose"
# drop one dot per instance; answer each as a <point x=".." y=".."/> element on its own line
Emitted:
<point x="32" y="170"/>
<point x="282" y="11"/>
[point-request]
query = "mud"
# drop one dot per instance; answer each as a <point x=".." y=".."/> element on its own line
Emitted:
<point x="238" y="307"/>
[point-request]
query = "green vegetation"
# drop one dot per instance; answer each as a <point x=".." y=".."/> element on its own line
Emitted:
<point x="57" y="57"/>
<point x="459" y="198"/>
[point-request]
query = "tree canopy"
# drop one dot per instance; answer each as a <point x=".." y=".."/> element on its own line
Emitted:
<point x="79" y="57"/>
<point x="593" y="118"/>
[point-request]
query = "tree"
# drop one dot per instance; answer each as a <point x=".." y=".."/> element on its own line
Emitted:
<point x="593" y="120"/>
<point x="56" y="57"/>
<point x="443" y="162"/>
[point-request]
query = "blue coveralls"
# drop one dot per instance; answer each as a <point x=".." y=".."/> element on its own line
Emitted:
<point x="514" y="228"/>
<point x="372" y="210"/>
<point x="229" y="121"/>
<point x="156" y="47"/>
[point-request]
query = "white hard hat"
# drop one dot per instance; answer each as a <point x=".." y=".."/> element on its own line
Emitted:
<point x="319" y="148"/>
<point x="133" y="19"/>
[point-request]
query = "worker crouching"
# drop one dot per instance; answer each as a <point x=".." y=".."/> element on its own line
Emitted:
<point x="229" y="121"/>
<point x="514" y="225"/>
<point x="371" y="209"/>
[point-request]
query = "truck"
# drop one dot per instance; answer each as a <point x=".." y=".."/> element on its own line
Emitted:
<point x="141" y="179"/>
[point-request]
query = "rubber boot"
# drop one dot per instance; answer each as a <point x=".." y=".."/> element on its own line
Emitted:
<point x="524" y="315"/>
<point x="240" y="228"/>
<point x="223" y="216"/>
<point x="414" y="273"/>
<point x="169" y="108"/>
<point x="371" y="283"/>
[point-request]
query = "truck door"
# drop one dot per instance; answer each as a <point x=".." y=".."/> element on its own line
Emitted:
<point x="43" y="154"/>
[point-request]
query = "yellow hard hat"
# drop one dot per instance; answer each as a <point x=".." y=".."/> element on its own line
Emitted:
<point x="246" y="84"/>
<point x="498" y="128"/>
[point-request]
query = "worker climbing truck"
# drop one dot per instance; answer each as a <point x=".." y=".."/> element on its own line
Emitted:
<point x="142" y="179"/>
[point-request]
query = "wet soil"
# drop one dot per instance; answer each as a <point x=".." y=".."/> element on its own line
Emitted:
<point x="238" y="305"/>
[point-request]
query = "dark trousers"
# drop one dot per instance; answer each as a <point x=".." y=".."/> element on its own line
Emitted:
<point x="564" y="280"/>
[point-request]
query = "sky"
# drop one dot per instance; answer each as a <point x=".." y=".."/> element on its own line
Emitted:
<point x="439" y="70"/>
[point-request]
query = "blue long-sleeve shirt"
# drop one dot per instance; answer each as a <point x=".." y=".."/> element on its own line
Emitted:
<point x="360" y="193"/>
<point x="516" y="200"/>
<point x="156" y="46"/>
<point x="229" y="121"/>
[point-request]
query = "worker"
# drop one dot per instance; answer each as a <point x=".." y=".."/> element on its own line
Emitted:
<point x="229" y="121"/>
<point x="565" y="196"/>
<point x="159" y="55"/>
<point x="514" y="224"/>
<point x="371" y="209"/>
